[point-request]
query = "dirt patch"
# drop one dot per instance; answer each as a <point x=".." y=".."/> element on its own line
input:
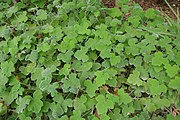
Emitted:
<point x="160" y="5"/>
<point x="156" y="4"/>
<point x="109" y="3"/>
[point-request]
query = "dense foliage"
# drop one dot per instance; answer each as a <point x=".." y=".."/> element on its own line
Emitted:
<point x="78" y="60"/>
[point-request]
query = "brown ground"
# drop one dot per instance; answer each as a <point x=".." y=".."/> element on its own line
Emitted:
<point x="156" y="4"/>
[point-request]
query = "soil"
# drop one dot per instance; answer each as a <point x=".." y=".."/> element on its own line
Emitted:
<point x="156" y="4"/>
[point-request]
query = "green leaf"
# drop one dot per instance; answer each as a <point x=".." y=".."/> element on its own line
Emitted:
<point x="47" y="28"/>
<point x="175" y="83"/>
<point x="65" y="70"/>
<point x="134" y="20"/>
<point x="90" y="103"/>
<point x="22" y="17"/>
<point x="12" y="92"/>
<point x="57" y="110"/>
<point x="57" y="32"/>
<point x="90" y="43"/>
<point x="105" y="53"/>
<point x="124" y="97"/>
<point x="119" y="48"/>
<point x="52" y="89"/>
<point x="30" y="67"/>
<point x="33" y="56"/>
<point x="78" y="60"/>
<point x="72" y="84"/>
<point x="134" y="50"/>
<point x="66" y="104"/>
<point x="83" y="27"/>
<point x="68" y="43"/>
<point x="65" y="57"/>
<point x="44" y="47"/>
<point x="41" y="15"/>
<point x="134" y="78"/>
<point x="35" y="74"/>
<point x="47" y="73"/>
<point x="3" y="109"/>
<point x="7" y="68"/>
<point x="36" y="103"/>
<point x="3" y="80"/>
<point x="101" y="108"/>
<point x="171" y="117"/>
<point x="115" y="22"/>
<point x="101" y="78"/>
<point x="158" y="59"/>
<point x="150" y="13"/>
<point x="76" y="115"/>
<point x="114" y="12"/>
<point x="11" y="10"/>
<point x="86" y="66"/>
<point x="104" y="117"/>
<point x="44" y="84"/>
<point x="115" y="115"/>
<point x="79" y="103"/>
<point x="22" y="116"/>
<point x="155" y="88"/>
<point x="65" y="117"/>
<point x="171" y="70"/>
<point x="150" y="106"/>
<point x="81" y="54"/>
<point x="126" y="110"/>
<point x="114" y="59"/>
<point x="178" y="58"/>
<point x="22" y="103"/>
<point x="90" y="88"/>
<point x="161" y="103"/>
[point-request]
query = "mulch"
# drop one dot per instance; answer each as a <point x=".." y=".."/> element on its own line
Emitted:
<point x="156" y="4"/>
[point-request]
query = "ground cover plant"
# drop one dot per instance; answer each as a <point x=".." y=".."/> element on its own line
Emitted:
<point x="79" y="60"/>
